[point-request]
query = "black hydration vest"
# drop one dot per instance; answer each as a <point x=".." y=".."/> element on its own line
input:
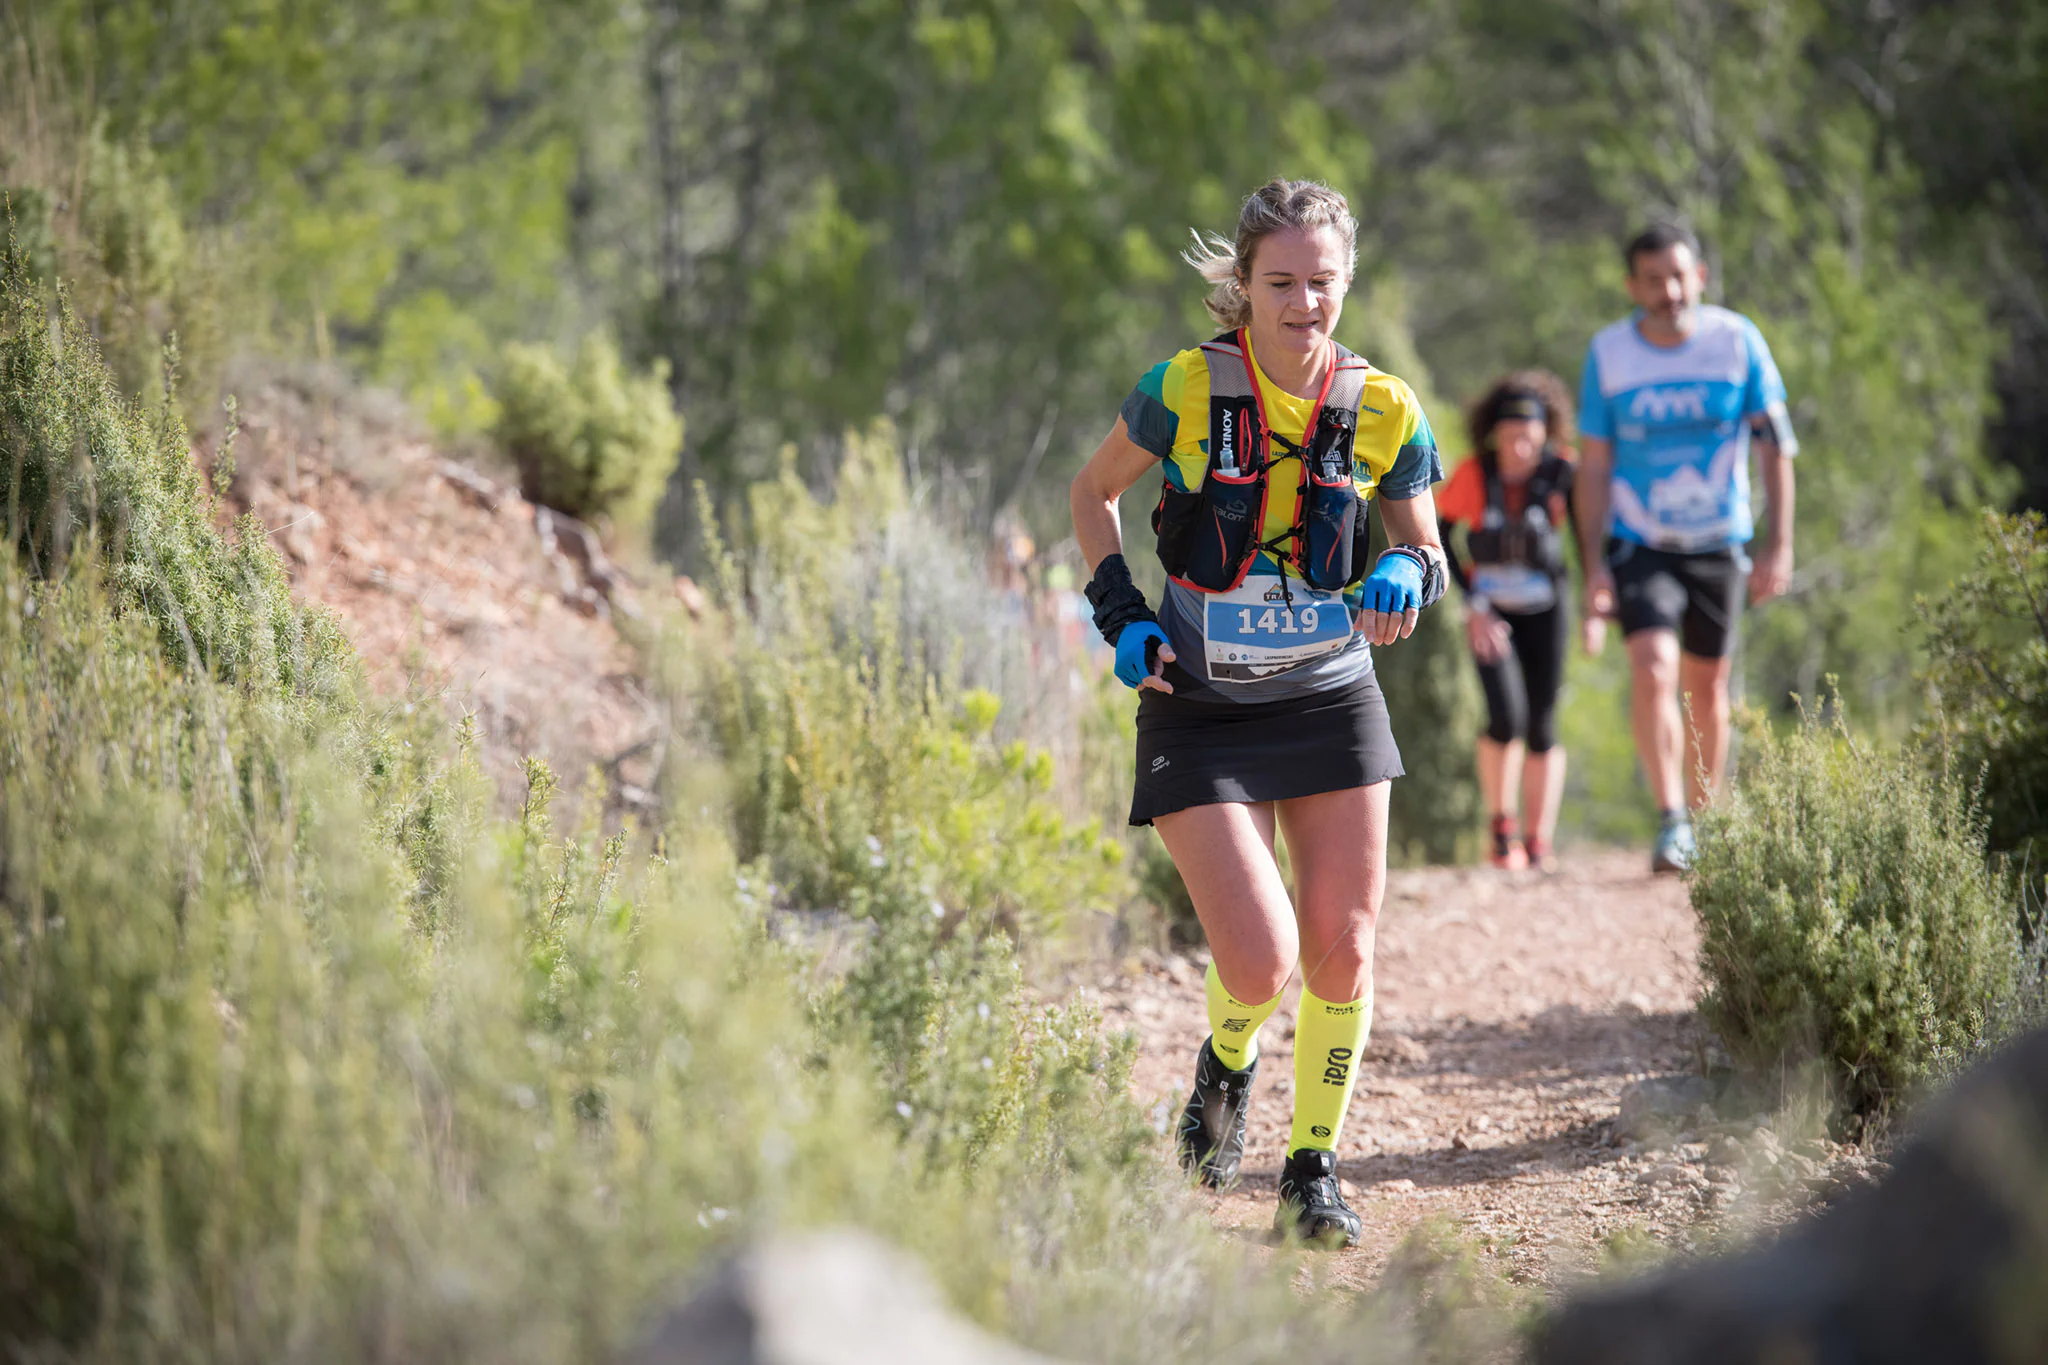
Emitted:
<point x="1528" y="537"/>
<point x="1209" y="539"/>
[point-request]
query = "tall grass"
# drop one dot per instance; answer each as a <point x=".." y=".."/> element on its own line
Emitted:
<point x="250" y="1109"/>
<point x="855" y="679"/>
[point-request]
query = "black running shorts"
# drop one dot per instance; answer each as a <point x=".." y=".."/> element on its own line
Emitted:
<point x="1521" y="686"/>
<point x="1203" y="753"/>
<point x="1697" y="595"/>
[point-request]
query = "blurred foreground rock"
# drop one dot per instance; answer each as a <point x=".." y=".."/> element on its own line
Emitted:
<point x="1657" y="1108"/>
<point x="1945" y="1260"/>
<point x="828" y="1298"/>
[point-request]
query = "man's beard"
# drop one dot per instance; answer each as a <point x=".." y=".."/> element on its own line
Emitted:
<point x="1681" y="317"/>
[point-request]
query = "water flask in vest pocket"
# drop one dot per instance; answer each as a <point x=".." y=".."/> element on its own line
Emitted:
<point x="1333" y="515"/>
<point x="1225" y="537"/>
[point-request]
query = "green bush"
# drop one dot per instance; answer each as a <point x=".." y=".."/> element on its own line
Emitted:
<point x="588" y="437"/>
<point x="1987" y="683"/>
<point x="1848" y="917"/>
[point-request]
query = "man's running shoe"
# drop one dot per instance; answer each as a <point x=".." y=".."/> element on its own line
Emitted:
<point x="1312" y="1205"/>
<point x="1508" y="852"/>
<point x="1211" y="1137"/>
<point x="1674" y="848"/>
<point x="1541" y="856"/>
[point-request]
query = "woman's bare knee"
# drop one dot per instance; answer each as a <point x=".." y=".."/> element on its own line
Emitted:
<point x="1225" y="856"/>
<point x="1340" y="968"/>
<point x="1255" y="977"/>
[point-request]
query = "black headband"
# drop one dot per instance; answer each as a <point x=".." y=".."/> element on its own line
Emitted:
<point x="1525" y="407"/>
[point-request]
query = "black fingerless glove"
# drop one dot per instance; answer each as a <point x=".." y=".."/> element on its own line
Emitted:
<point x="1116" y="599"/>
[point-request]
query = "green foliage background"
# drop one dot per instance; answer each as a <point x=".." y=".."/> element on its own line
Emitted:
<point x="964" y="217"/>
<point x="1987" y="682"/>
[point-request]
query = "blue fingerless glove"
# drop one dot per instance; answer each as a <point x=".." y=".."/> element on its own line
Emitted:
<point x="1395" y="584"/>
<point x="1132" y="665"/>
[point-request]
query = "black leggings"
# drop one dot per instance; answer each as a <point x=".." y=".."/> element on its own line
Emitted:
<point x="1521" y="689"/>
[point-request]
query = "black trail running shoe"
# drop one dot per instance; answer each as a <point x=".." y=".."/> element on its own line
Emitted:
<point x="1211" y="1137"/>
<point x="1312" y="1204"/>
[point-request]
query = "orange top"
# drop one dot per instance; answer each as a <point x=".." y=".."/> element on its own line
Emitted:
<point x="1462" y="499"/>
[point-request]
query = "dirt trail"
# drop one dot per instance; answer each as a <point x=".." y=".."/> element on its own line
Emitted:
<point x="1512" y="1010"/>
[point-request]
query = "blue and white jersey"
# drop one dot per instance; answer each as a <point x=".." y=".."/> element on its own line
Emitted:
<point x="1679" y="419"/>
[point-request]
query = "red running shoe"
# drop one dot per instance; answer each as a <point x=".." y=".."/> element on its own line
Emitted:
<point x="1508" y="852"/>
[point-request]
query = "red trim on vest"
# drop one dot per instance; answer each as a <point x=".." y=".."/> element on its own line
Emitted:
<point x="1265" y="451"/>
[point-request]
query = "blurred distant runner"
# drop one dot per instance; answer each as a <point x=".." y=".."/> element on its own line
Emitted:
<point x="1671" y="401"/>
<point x="1258" y="706"/>
<point x="1512" y="498"/>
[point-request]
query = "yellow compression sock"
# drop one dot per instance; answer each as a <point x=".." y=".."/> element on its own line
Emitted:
<point x="1234" y="1025"/>
<point x="1329" y="1042"/>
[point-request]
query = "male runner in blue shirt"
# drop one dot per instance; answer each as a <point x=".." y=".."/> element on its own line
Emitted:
<point x="1671" y="402"/>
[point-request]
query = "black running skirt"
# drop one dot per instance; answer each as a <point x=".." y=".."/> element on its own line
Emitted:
<point x="1200" y="753"/>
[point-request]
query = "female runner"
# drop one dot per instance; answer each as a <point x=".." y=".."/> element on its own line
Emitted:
<point x="1513" y="498"/>
<point x="1258" y="708"/>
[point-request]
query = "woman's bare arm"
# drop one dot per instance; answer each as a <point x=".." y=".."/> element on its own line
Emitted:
<point x="1412" y="521"/>
<point x="1116" y="464"/>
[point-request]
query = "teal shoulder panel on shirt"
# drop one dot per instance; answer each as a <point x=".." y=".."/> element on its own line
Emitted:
<point x="1153" y="381"/>
<point x="1417" y="463"/>
<point x="1415" y="468"/>
<point x="1152" y="425"/>
<point x="1422" y="435"/>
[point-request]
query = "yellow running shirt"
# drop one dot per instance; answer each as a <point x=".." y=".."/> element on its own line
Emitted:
<point x="1394" y="456"/>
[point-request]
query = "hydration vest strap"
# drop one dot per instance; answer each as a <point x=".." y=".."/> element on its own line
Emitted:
<point x="1222" y="545"/>
<point x="1237" y="417"/>
<point x="1210" y="539"/>
<point x="1501" y="539"/>
<point x="1345" y="388"/>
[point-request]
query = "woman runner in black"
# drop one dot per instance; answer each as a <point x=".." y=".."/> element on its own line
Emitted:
<point x="1512" y="498"/>
<point x="1259" y="714"/>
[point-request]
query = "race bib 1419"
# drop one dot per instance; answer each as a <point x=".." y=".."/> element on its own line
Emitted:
<point x="1262" y="627"/>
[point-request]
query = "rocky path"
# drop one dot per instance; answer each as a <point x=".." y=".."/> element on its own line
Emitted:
<point x="1513" y="1010"/>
